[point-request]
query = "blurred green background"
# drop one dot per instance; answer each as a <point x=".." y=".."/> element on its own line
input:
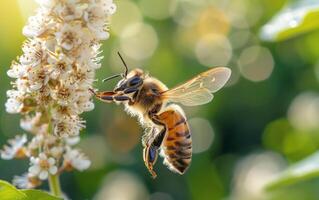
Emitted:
<point x="264" y="120"/>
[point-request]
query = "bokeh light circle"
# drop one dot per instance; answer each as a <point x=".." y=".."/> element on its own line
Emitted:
<point x="303" y="113"/>
<point x="256" y="63"/>
<point x="138" y="41"/>
<point x="185" y="12"/>
<point x="213" y="50"/>
<point x="235" y="74"/>
<point x="127" y="13"/>
<point x="99" y="154"/>
<point x="125" y="138"/>
<point x="202" y="134"/>
<point x="253" y="173"/>
<point x="157" y="9"/>
<point x="240" y="38"/>
<point x="120" y="185"/>
<point x="212" y="20"/>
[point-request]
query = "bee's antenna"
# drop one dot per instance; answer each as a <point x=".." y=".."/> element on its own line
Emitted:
<point x="126" y="68"/>
<point x="111" y="77"/>
<point x="118" y="75"/>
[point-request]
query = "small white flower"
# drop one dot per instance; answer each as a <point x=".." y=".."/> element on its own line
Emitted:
<point x="13" y="106"/>
<point x="86" y="105"/>
<point x="38" y="78"/>
<point x="64" y="94"/>
<point x="22" y="181"/>
<point x="56" y="151"/>
<point x="36" y="142"/>
<point x="89" y="58"/>
<point x="26" y="181"/>
<point x="46" y="3"/>
<point x="42" y="139"/>
<point x="83" y="77"/>
<point x="33" y="53"/>
<point x="22" y="85"/>
<point x="14" y="94"/>
<point x="63" y="111"/>
<point x="109" y="7"/>
<point x="69" y="36"/>
<point x="73" y="140"/>
<point x="60" y="66"/>
<point x="68" y="126"/>
<point x="38" y="24"/>
<point x="70" y="10"/>
<point x="15" y="149"/>
<point x="75" y="159"/>
<point x="14" y="102"/>
<point x="31" y="123"/>
<point x="42" y="166"/>
<point x="17" y="70"/>
<point x="94" y="18"/>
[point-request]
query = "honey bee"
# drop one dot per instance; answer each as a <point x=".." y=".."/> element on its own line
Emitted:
<point x="167" y="131"/>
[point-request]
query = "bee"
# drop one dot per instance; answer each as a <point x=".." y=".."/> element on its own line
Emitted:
<point x="167" y="132"/>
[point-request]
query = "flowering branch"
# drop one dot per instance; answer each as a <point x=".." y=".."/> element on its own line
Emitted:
<point x="51" y="87"/>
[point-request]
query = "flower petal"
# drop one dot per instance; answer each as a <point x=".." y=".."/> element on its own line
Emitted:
<point x="43" y="175"/>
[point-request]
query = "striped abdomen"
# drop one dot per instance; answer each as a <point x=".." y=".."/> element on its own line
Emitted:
<point x="177" y="143"/>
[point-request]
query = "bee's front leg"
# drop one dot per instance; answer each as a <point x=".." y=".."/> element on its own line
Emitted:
<point x="110" y="96"/>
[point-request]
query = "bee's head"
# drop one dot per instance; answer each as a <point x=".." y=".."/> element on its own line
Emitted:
<point x="130" y="82"/>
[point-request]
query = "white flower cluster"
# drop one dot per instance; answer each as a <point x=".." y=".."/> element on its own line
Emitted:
<point x="52" y="81"/>
<point x="49" y="155"/>
<point x="59" y="61"/>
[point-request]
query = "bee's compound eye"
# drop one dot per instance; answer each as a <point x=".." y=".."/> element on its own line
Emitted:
<point x="134" y="81"/>
<point x="120" y="86"/>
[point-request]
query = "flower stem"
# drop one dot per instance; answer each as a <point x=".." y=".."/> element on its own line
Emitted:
<point x="54" y="184"/>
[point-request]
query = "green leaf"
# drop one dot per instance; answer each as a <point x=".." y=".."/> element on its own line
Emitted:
<point x="39" y="195"/>
<point x="9" y="192"/>
<point x="303" y="170"/>
<point x="296" y="18"/>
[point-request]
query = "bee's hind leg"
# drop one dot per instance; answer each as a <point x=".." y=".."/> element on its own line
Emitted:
<point x="148" y="136"/>
<point x="150" y="155"/>
<point x="152" y="141"/>
<point x="151" y="151"/>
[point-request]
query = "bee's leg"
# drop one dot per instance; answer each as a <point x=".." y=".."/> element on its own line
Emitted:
<point x="150" y="152"/>
<point x="160" y="136"/>
<point x="152" y="144"/>
<point x="148" y="136"/>
<point x="157" y="142"/>
<point x="110" y="96"/>
<point x="150" y="155"/>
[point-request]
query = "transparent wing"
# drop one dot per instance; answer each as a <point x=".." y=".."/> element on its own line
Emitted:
<point x="199" y="89"/>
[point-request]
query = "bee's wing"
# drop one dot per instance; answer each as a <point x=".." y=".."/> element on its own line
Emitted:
<point x="199" y="89"/>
